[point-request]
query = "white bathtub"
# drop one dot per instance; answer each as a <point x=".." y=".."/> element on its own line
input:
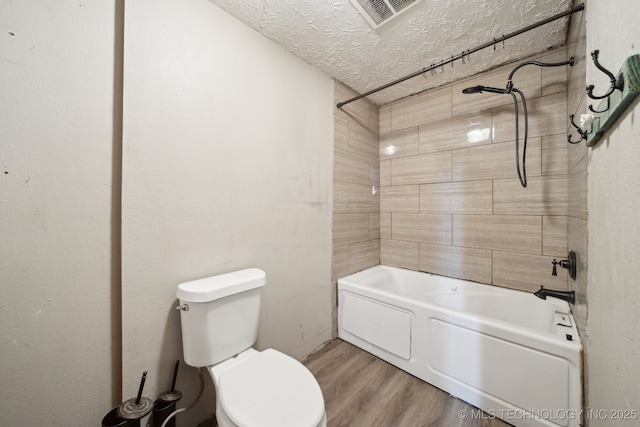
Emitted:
<point x="514" y="355"/>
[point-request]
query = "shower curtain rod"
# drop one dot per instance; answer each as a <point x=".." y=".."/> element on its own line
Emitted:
<point x="493" y="42"/>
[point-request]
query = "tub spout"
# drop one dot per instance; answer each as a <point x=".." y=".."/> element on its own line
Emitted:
<point x="568" y="296"/>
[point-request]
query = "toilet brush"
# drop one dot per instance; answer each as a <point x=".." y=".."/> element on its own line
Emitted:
<point x="136" y="407"/>
<point x="173" y="394"/>
<point x="164" y="407"/>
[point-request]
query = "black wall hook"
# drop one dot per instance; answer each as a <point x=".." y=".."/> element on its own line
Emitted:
<point x="593" y="110"/>
<point x="615" y="83"/>
<point x="583" y="134"/>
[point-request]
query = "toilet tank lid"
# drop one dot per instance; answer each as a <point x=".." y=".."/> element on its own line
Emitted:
<point x="220" y="286"/>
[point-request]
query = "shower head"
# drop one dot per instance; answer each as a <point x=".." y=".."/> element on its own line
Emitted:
<point x="480" y="89"/>
<point x="474" y="89"/>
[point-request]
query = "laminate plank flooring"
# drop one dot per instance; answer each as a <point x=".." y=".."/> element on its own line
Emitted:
<point x="361" y="390"/>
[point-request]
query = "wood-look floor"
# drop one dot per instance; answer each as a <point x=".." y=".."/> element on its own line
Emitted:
<point x="361" y="390"/>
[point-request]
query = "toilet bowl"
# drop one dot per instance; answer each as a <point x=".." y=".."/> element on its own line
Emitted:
<point x="266" y="388"/>
<point x="219" y="318"/>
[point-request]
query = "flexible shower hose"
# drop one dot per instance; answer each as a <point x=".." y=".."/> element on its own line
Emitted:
<point x="521" y="175"/>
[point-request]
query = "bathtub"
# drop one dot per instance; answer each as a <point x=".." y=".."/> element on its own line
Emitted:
<point x="514" y="355"/>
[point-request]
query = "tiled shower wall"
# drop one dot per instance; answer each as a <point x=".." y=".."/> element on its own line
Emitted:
<point x="577" y="168"/>
<point x="450" y="199"/>
<point x="356" y="182"/>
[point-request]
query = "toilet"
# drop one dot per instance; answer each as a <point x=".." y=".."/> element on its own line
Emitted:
<point x="219" y="317"/>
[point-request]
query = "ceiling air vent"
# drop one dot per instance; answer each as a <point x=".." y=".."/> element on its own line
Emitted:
<point x="378" y="12"/>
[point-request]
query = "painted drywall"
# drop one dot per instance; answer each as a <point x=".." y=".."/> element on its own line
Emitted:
<point x="227" y="151"/>
<point x="59" y="251"/>
<point x="613" y="340"/>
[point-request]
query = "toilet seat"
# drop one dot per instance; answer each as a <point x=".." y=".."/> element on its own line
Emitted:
<point x="271" y="389"/>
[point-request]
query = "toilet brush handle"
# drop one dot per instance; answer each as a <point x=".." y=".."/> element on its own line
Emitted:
<point x="175" y="375"/>
<point x="144" y="377"/>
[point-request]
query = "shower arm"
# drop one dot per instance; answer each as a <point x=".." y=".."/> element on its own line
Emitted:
<point x="570" y="63"/>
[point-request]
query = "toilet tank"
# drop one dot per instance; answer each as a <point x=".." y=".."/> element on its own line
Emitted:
<point x="219" y="315"/>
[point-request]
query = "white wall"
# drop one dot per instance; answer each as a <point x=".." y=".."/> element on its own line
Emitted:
<point x="57" y="141"/>
<point x="227" y="164"/>
<point x="613" y="337"/>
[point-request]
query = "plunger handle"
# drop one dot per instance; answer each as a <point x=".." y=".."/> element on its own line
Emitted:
<point x="175" y="375"/>
<point x="144" y="377"/>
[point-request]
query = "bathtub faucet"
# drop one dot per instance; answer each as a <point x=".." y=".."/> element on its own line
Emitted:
<point x="568" y="296"/>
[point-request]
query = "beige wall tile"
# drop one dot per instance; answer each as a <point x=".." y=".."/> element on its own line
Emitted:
<point x="374" y="226"/>
<point x="459" y="132"/>
<point x="546" y="195"/>
<point x="425" y="228"/>
<point x="405" y="198"/>
<point x="500" y="232"/>
<point x="361" y="199"/>
<point x="474" y="197"/>
<point x="364" y="255"/>
<point x="356" y="169"/>
<point x="340" y="133"/>
<point x="575" y="153"/>
<point x="577" y="183"/>
<point x="578" y="49"/>
<point x="385" y="225"/>
<point x="363" y="141"/>
<point x="374" y="172"/>
<point x="340" y="262"/>
<point x="554" y="79"/>
<point x="399" y="254"/>
<point x="350" y="228"/>
<point x="526" y="272"/>
<point x="494" y="161"/>
<point x="385" y="172"/>
<point x="361" y="112"/>
<point x="421" y="169"/>
<point x="547" y="116"/>
<point x="374" y="118"/>
<point x="426" y="107"/>
<point x="399" y="144"/>
<point x="577" y="75"/>
<point x="554" y="236"/>
<point x="385" y="120"/>
<point x="351" y="167"/>
<point x="340" y="197"/>
<point x="452" y="261"/>
<point x="554" y="154"/>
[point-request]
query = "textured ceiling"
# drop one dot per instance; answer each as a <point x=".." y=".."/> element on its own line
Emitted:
<point x="333" y="37"/>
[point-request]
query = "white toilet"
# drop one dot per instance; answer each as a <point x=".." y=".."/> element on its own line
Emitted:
<point x="219" y="317"/>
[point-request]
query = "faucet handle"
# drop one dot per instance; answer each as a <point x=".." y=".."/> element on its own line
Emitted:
<point x="570" y="264"/>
